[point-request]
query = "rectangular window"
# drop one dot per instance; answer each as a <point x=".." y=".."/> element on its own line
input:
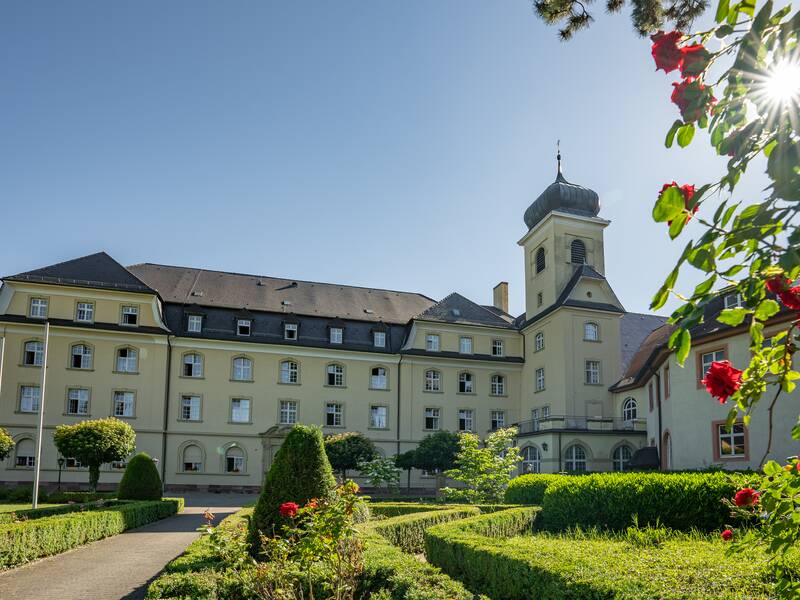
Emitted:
<point x="498" y="419"/>
<point x="545" y="412"/>
<point x="379" y="339"/>
<point x="432" y="418"/>
<point x="336" y="335"/>
<point x="593" y="372"/>
<point x="77" y="401"/>
<point x="334" y="414"/>
<point x="234" y="464"/>
<point x="72" y="463"/>
<point x="25" y="461"/>
<point x="38" y="308"/>
<point x="29" y="397"/>
<point x="733" y="301"/>
<point x="243" y="327"/>
<point x="123" y="404"/>
<point x="190" y="408"/>
<point x="378" y="378"/>
<point x="81" y="357"/>
<point x="127" y="360"/>
<point x="130" y="316"/>
<point x="240" y="410"/>
<point x="33" y="355"/>
<point x="540" y="379"/>
<point x="731" y="441"/>
<point x="539" y="341"/>
<point x="194" y="324"/>
<point x="290" y="331"/>
<point x="710" y="357"/>
<point x="432" y="342"/>
<point x="84" y="312"/>
<point x="288" y="414"/>
<point x="289" y="372"/>
<point x="465" y="420"/>
<point x="539" y="299"/>
<point x="465" y="345"/>
<point x="335" y="375"/>
<point x="497" y="348"/>
<point x="378" y="417"/>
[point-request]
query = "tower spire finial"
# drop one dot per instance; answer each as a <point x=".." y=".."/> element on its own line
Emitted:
<point x="558" y="155"/>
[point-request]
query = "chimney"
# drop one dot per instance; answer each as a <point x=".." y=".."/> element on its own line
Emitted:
<point x="501" y="296"/>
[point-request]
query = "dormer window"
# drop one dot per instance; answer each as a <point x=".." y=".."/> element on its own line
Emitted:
<point x="130" y="316"/>
<point x="379" y="339"/>
<point x="577" y="252"/>
<point x="290" y="331"/>
<point x="465" y="345"/>
<point x="432" y="342"/>
<point x="243" y="327"/>
<point x="335" y="335"/>
<point x="497" y="348"/>
<point x="194" y="324"/>
<point x="84" y="312"/>
<point x="38" y="308"/>
<point x="733" y="300"/>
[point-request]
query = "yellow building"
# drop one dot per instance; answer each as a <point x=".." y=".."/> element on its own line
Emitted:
<point x="212" y="368"/>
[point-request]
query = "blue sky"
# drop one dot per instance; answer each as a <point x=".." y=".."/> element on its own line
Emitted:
<point x="386" y="144"/>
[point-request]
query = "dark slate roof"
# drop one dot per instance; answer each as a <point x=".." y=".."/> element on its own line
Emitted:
<point x="459" y="356"/>
<point x="455" y="308"/>
<point x="97" y="270"/>
<point x="563" y="196"/>
<point x="634" y="329"/>
<point x="564" y="299"/>
<point x="184" y="285"/>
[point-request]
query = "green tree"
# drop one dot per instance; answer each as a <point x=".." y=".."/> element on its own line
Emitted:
<point x="379" y="472"/>
<point x="348" y="450"/>
<point x="406" y="461"/>
<point x="6" y="444"/>
<point x="300" y="472"/>
<point x="484" y="470"/>
<point x="140" y="480"/>
<point x="436" y="454"/>
<point x="95" y="442"/>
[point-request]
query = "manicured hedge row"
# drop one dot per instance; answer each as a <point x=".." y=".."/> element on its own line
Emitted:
<point x="586" y="566"/>
<point x="530" y="488"/>
<point x="396" y="509"/>
<point x="49" y="511"/>
<point x="610" y="500"/>
<point x="64" y="497"/>
<point x="28" y="540"/>
<point x="408" y="531"/>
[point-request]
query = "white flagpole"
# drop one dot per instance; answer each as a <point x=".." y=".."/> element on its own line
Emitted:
<point x="2" y="359"/>
<point x="40" y="431"/>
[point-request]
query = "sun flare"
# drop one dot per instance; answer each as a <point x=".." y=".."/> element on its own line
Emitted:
<point x="783" y="84"/>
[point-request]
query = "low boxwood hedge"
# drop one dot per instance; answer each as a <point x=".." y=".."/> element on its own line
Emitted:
<point x="588" y="566"/>
<point x="49" y="511"/>
<point x="529" y="489"/>
<point x="24" y="541"/>
<point x="681" y="501"/>
<point x="397" y="509"/>
<point x="79" y="497"/>
<point x="407" y="532"/>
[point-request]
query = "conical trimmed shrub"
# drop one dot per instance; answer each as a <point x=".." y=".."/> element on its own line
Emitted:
<point x="300" y="472"/>
<point x="141" y="480"/>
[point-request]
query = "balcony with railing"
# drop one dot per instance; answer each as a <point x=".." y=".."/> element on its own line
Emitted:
<point x="580" y="423"/>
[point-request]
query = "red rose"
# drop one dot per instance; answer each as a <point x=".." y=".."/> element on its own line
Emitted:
<point x="722" y="380"/>
<point x="791" y="298"/>
<point x="692" y="98"/>
<point x="694" y="60"/>
<point x="727" y="535"/>
<point x="688" y="193"/>
<point x="746" y="497"/>
<point x="778" y="284"/>
<point x="289" y="509"/>
<point x="665" y="50"/>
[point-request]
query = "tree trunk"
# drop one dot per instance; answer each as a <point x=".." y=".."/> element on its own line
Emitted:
<point x="94" y="476"/>
<point x="440" y="479"/>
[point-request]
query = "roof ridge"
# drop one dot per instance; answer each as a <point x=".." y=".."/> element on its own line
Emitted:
<point x="235" y="273"/>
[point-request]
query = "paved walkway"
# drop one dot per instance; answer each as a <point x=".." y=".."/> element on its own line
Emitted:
<point x="118" y="567"/>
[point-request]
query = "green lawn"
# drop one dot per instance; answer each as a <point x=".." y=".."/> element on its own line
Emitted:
<point x="7" y="508"/>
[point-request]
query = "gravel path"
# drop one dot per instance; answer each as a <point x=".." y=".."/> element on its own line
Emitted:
<point x="118" y="567"/>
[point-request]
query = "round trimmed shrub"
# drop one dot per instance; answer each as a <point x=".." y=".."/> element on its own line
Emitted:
<point x="300" y="472"/>
<point x="141" y="480"/>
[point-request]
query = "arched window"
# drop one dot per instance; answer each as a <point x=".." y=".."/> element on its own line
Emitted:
<point x="666" y="451"/>
<point x="498" y="385"/>
<point x="335" y="375"/>
<point x="25" y="454"/>
<point x="540" y="262"/>
<point x="531" y="460"/>
<point x="378" y="378"/>
<point x="234" y="460"/>
<point x="621" y="458"/>
<point x="577" y="252"/>
<point x="127" y="360"/>
<point x="433" y="381"/>
<point x="575" y="459"/>
<point x="290" y="372"/>
<point x="33" y="355"/>
<point x="465" y="383"/>
<point x="629" y="409"/>
<point x="192" y="458"/>
<point x="80" y="357"/>
<point x="591" y="332"/>
<point x="192" y="365"/>
<point x="242" y="369"/>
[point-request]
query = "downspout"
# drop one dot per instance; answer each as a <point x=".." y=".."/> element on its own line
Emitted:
<point x="166" y="414"/>
<point x="2" y="356"/>
<point x="399" y="371"/>
<point x="560" y="468"/>
<point x="658" y="404"/>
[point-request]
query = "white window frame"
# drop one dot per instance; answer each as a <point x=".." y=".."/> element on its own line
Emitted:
<point x="433" y="418"/>
<point x="238" y="462"/>
<point x="466" y="383"/>
<point x="84" y="312"/>
<point x="466" y="419"/>
<point x="37" y="308"/>
<point x="531" y="460"/>
<point x="30" y="398"/>
<point x="25" y="461"/>
<point x="707" y="358"/>
<point x="290" y="331"/>
<point x="378" y="416"/>
<point x="497" y="419"/>
<point x="379" y="381"/>
<point x="630" y="409"/>
<point x="618" y="459"/>
<point x="498" y="385"/>
<point x="540" y="379"/>
<point x="126" y="400"/>
<point x="243" y="327"/>
<point x="194" y="323"/>
<point x="592" y="370"/>
<point x="242" y="369"/>
<point x="128" y="363"/>
<point x="575" y="461"/>
<point x="335" y="335"/>
<point x="196" y="466"/>
<point x="432" y="342"/>
<point x="334" y="414"/>
<point x="729" y="437"/>
<point x="498" y="348"/>
<point x="80" y="396"/>
<point x="733" y="300"/>
<point x="130" y="310"/>
<point x="287" y="412"/>
<point x="379" y="339"/>
<point x="86" y="356"/>
<point x="243" y="408"/>
<point x="194" y="360"/>
<point x="433" y="380"/>
<point x="539" y="341"/>
<point x="334" y="375"/>
<point x="191" y="407"/>
<point x="465" y="345"/>
<point x="289" y="372"/>
<point x="591" y="332"/>
<point x="37" y="353"/>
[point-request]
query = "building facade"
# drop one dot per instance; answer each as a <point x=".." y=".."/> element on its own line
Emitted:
<point x="213" y="368"/>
